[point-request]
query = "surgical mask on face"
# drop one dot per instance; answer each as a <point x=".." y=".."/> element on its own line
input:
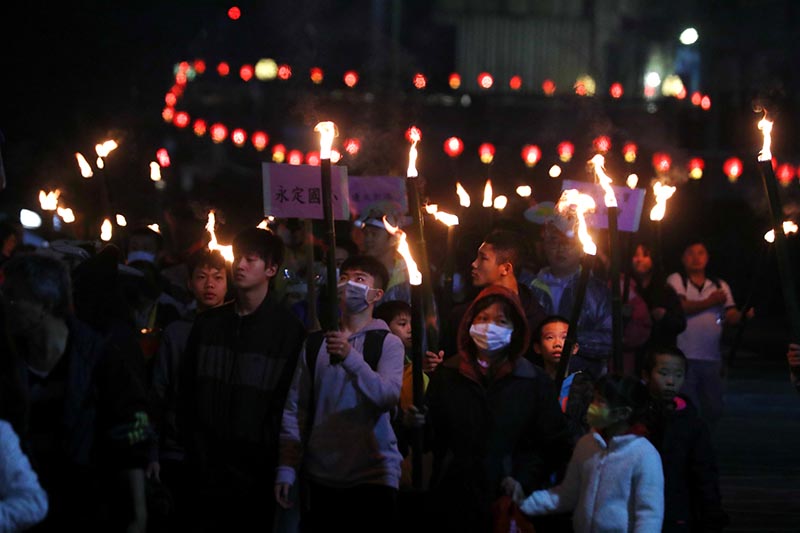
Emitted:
<point x="354" y="296"/>
<point x="490" y="337"/>
<point x="141" y="255"/>
<point x="599" y="416"/>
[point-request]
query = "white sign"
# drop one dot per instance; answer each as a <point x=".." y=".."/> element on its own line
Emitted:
<point x="630" y="202"/>
<point x="295" y="191"/>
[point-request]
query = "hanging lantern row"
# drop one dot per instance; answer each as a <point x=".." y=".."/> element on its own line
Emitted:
<point x="269" y="69"/>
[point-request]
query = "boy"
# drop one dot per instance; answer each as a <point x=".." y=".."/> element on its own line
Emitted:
<point x="337" y="424"/>
<point x="692" y="500"/>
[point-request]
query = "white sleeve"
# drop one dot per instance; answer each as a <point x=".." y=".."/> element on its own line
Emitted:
<point x="24" y="501"/>
<point x="648" y="489"/>
<point x="676" y="282"/>
<point x="728" y="295"/>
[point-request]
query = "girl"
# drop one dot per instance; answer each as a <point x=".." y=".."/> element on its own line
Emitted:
<point x="614" y="481"/>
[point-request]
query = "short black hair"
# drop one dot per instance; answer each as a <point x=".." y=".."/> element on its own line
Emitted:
<point x="262" y="242"/>
<point x="625" y="391"/>
<point x="349" y="245"/>
<point x="650" y="355"/>
<point x="205" y="258"/>
<point x="388" y="311"/>
<point x="371" y="266"/>
<point x="44" y="278"/>
<point x="508" y="246"/>
<point x="144" y="231"/>
<point x="549" y="319"/>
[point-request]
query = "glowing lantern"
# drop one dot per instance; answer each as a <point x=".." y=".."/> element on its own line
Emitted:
<point x="199" y="66"/>
<point x="239" y="137"/>
<point x="295" y="157"/>
<point x="531" y="154"/>
<point x="350" y="78"/>
<point x="316" y="75"/>
<point x="733" y="168"/>
<point x="454" y="80"/>
<point x="163" y="157"/>
<point x="312" y="158"/>
<point x="524" y="191"/>
<point x="266" y="69"/>
<point x="681" y="94"/>
<point x="632" y="181"/>
<point x="218" y="132"/>
<point x="696" y="98"/>
<point x="662" y="162"/>
<point x="279" y="153"/>
<point x="419" y="81"/>
<point x="181" y="119"/>
<point x="335" y="156"/>
<point x="696" y="166"/>
<point x="223" y="69"/>
<point x="260" y="140"/>
<point x="548" y="87"/>
<point x="629" y="152"/>
<point x="487" y="194"/>
<point x="168" y="114"/>
<point x="170" y="99"/>
<point x="616" y="90"/>
<point x="565" y="151"/>
<point x="486" y="153"/>
<point x="453" y="147"/>
<point x="705" y="103"/>
<point x="284" y="72"/>
<point x="463" y="195"/>
<point x="602" y="144"/>
<point x="500" y="202"/>
<point x="234" y="13"/>
<point x="515" y="83"/>
<point x="585" y="86"/>
<point x="352" y="146"/>
<point x="485" y="80"/>
<point x="199" y="127"/>
<point x="785" y="174"/>
<point x="413" y="134"/>
<point x="554" y="172"/>
<point x="246" y="72"/>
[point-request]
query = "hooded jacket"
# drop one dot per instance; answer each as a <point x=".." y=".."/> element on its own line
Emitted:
<point x="483" y="428"/>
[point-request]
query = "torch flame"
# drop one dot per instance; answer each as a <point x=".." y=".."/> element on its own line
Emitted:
<point x="414" y="275"/>
<point x="327" y="131"/>
<point x="766" y="128"/>
<point x="463" y="195"/>
<point x="155" y="171"/>
<point x="662" y="193"/>
<point x="575" y="202"/>
<point x="788" y="227"/>
<point x="106" y="148"/>
<point x="105" y="230"/>
<point x="226" y="251"/>
<point x="66" y="215"/>
<point x="598" y="162"/>
<point x="415" y="135"/>
<point x="632" y="181"/>
<point x="83" y="164"/>
<point x="49" y="201"/>
<point x="154" y="227"/>
<point x="121" y="221"/>
<point x="431" y="209"/>
<point x="264" y="224"/>
<point x="446" y="218"/>
<point x="500" y="202"/>
<point x="487" y="194"/>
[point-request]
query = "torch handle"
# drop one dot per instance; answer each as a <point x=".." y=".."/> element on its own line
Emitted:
<point x="616" y="297"/>
<point x="329" y="318"/>
<point x="572" y="332"/>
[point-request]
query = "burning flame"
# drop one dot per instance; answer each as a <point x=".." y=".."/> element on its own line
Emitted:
<point x="121" y="221"/>
<point x="788" y="227"/>
<point x="463" y="195"/>
<point x="83" y="164"/>
<point x="106" y="148"/>
<point x="415" y="136"/>
<point x="598" y="162"/>
<point x="66" y="214"/>
<point x="766" y="128"/>
<point x="524" y="191"/>
<point x="487" y="194"/>
<point x="226" y="251"/>
<point x="500" y="202"/>
<point x="327" y="131"/>
<point x="414" y="275"/>
<point x="445" y="218"/>
<point x="155" y="171"/>
<point x="105" y="230"/>
<point x="154" y="227"/>
<point x="431" y="209"/>
<point x="264" y="224"/>
<point x="662" y="193"/>
<point x="49" y="201"/>
<point x="575" y="202"/>
<point x="632" y="181"/>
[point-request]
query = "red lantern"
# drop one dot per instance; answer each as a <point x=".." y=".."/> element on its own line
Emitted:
<point x="284" y="72"/>
<point x="312" y="158"/>
<point x="515" y="83"/>
<point x="246" y="72"/>
<point x="316" y="75"/>
<point x="696" y="98"/>
<point x="170" y="99"/>
<point x="259" y="140"/>
<point x="181" y="119"/>
<point x="531" y="154"/>
<point x="696" y="166"/>
<point x="218" y="132"/>
<point x="454" y="81"/>
<point x="616" y="90"/>
<point x="168" y="113"/>
<point x="278" y="153"/>
<point x="239" y="137"/>
<point x="565" y="151"/>
<point x="350" y="78"/>
<point x="295" y="157"/>
<point x="785" y="173"/>
<point x="352" y="146"/>
<point x="199" y="127"/>
<point x="602" y="144"/>
<point x="629" y="152"/>
<point x="453" y="147"/>
<point x="485" y="80"/>
<point x="163" y="157"/>
<point x="223" y="69"/>
<point x="548" y="87"/>
<point x="415" y="131"/>
<point x="705" y="103"/>
<point x="199" y="66"/>
<point x="419" y="81"/>
<point x="486" y="153"/>
<point x="733" y="168"/>
<point x="234" y="13"/>
<point x="662" y="162"/>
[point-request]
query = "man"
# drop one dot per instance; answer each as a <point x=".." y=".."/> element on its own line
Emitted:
<point x="237" y="368"/>
<point x="708" y="304"/>
<point x="339" y="421"/>
<point x="498" y="261"/>
<point x="88" y="425"/>
<point x="555" y="288"/>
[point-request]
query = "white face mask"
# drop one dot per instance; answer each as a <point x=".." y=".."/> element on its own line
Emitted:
<point x="490" y="337"/>
<point x="354" y="296"/>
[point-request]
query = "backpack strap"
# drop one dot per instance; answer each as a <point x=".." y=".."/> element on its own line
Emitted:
<point x="373" y="347"/>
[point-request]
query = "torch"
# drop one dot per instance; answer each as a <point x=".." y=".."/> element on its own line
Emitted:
<point x="48" y="201"/>
<point x="329" y="316"/>
<point x="213" y="244"/>
<point x="610" y="200"/>
<point x="575" y="204"/>
<point x="417" y="332"/>
<point x="662" y="193"/>
<point x="781" y="244"/>
<point x="451" y="221"/>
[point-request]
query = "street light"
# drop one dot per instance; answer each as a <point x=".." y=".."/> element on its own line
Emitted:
<point x="688" y="36"/>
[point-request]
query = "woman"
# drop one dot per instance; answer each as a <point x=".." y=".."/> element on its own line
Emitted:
<point x="492" y="414"/>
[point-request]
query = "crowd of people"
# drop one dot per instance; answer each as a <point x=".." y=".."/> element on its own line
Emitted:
<point x="142" y="395"/>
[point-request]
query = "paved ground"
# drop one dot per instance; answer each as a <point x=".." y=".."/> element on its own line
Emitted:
<point x="758" y="441"/>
